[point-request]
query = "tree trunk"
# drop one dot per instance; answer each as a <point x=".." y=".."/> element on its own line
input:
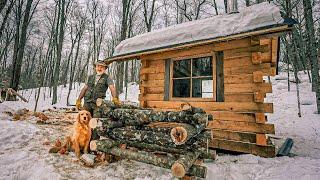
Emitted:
<point x="311" y="46"/>
<point x="61" y="25"/>
<point x="21" y="40"/>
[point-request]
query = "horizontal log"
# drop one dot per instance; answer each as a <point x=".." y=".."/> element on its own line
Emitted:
<point x="237" y="62"/>
<point x="259" y="58"/>
<point x="216" y="106"/>
<point x="238" y="146"/>
<point x="109" y="146"/>
<point x="152" y="90"/>
<point x="265" y="68"/>
<point x="248" y="88"/>
<point x="239" y="97"/>
<point x="234" y="136"/>
<point x="151" y="97"/>
<point x="233" y="44"/>
<point x="232" y="116"/>
<point x="152" y="83"/>
<point x="238" y="79"/>
<point x="182" y="53"/>
<point x="242" y="126"/>
<point x="181" y="166"/>
<point x="156" y="76"/>
<point x="156" y="63"/>
<point x="238" y="52"/>
<point x="152" y="70"/>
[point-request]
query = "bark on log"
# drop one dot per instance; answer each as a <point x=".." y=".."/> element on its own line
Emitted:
<point x="181" y="166"/>
<point x="141" y="136"/>
<point x="101" y="102"/>
<point x="108" y="123"/>
<point x="138" y="117"/>
<point x="109" y="146"/>
<point x="190" y="109"/>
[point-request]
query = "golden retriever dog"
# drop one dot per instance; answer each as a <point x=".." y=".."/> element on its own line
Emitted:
<point x="80" y="139"/>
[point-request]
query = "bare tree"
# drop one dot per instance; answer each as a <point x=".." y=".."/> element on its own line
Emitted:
<point x="311" y="46"/>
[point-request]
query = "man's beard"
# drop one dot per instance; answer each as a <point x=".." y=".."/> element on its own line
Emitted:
<point x="100" y="73"/>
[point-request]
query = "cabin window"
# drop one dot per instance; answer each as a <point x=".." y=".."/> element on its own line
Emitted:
<point x="193" y="78"/>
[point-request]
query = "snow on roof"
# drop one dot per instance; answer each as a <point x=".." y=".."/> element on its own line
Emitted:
<point x="254" y="17"/>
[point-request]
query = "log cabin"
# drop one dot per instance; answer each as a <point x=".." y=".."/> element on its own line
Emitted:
<point x="219" y="64"/>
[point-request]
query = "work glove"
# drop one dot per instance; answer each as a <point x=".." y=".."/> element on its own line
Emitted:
<point x="116" y="101"/>
<point x="78" y="103"/>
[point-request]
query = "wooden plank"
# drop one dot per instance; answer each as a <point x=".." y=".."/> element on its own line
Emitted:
<point x="229" y="54"/>
<point x="237" y="62"/>
<point x="167" y="80"/>
<point x="216" y="106"/>
<point x="240" y="52"/>
<point x="248" y="88"/>
<point x="232" y="116"/>
<point x="238" y="146"/>
<point x="242" y="126"/>
<point x="156" y="63"/>
<point x="265" y="68"/>
<point x="260" y="118"/>
<point x="220" y="77"/>
<point x="156" y="76"/>
<point x="233" y="44"/>
<point x="238" y="79"/>
<point x="261" y="139"/>
<point x="238" y="97"/>
<point x="151" y="97"/>
<point x="181" y="53"/>
<point x="258" y="97"/>
<point x="259" y="58"/>
<point x="235" y="136"/>
<point x="152" y="70"/>
<point x="154" y="90"/>
<point x="258" y="76"/>
<point x="152" y="83"/>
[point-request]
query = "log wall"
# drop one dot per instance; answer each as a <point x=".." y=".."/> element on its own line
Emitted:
<point x="240" y="121"/>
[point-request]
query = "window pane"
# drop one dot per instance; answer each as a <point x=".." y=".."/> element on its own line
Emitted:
<point x="181" y="88"/>
<point x="202" y="87"/>
<point x="181" y="68"/>
<point x="202" y="66"/>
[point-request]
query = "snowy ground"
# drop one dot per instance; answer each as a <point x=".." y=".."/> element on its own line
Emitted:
<point x="24" y="144"/>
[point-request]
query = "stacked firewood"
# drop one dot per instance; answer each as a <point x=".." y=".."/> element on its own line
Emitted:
<point x="171" y="139"/>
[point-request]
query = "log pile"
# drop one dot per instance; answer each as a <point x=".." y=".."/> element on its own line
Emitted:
<point x="173" y="139"/>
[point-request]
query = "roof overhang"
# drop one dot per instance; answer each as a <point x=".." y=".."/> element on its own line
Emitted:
<point x="272" y="30"/>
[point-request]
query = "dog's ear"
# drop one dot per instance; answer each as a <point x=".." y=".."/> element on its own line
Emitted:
<point x="78" y="117"/>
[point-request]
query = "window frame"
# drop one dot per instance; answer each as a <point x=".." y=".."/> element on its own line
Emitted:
<point x="214" y="78"/>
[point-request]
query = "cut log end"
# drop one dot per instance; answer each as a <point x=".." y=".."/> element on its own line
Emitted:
<point x="179" y="135"/>
<point x="99" y="102"/>
<point x="93" y="123"/>
<point x="185" y="106"/>
<point x="178" y="170"/>
<point x="93" y="145"/>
